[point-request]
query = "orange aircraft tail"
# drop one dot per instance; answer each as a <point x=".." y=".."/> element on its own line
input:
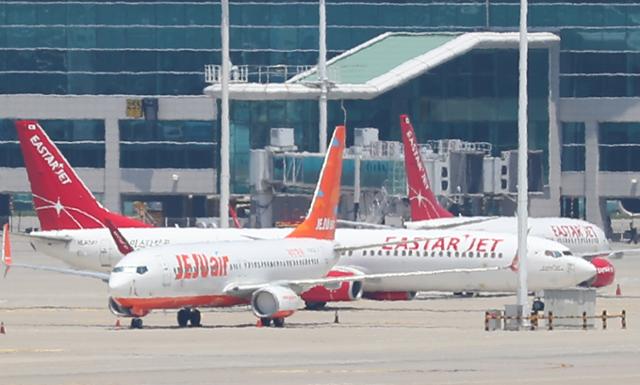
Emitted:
<point x="424" y="204"/>
<point x="320" y="221"/>
<point x="6" y="245"/>
<point x="60" y="199"/>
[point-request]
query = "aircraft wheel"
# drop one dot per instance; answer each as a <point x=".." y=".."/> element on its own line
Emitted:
<point x="136" y="323"/>
<point x="315" y="305"/>
<point x="194" y="318"/>
<point x="183" y="317"/>
<point x="265" y="321"/>
<point x="278" y="322"/>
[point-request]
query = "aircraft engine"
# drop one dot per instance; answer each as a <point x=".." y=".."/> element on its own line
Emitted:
<point x="274" y="302"/>
<point x="605" y="273"/>
<point x="319" y="295"/>
<point x="389" y="295"/>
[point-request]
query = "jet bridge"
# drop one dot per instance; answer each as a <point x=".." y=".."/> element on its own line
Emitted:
<point x="466" y="173"/>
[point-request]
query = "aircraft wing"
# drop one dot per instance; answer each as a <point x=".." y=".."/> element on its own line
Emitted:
<point x="7" y="261"/>
<point x="611" y="254"/>
<point x="445" y="223"/>
<point x="45" y="236"/>
<point x="300" y="285"/>
<point x="365" y="225"/>
<point x="80" y="273"/>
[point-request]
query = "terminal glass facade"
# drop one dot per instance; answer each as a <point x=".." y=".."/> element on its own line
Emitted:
<point x="619" y="146"/>
<point x="160" y="48"/>
<point x="167" y="144"/>
<point x="149" y="48"/>
<point x="81" y="142"/>
<point x="573" y="148"/>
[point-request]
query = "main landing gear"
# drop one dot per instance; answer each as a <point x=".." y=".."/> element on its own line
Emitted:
<point x="136" y="323"/>
<point x="277" y="322"/>
<point x="189" y="316"/>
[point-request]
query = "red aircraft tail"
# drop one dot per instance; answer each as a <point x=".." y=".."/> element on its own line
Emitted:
<point x="424" y="204"/>
<point x="60" y="199"/>
<point x="320" y="222"/>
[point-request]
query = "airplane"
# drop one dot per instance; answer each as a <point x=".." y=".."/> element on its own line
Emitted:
<point x="267" y="274"/>
<point x="88" y="245"/>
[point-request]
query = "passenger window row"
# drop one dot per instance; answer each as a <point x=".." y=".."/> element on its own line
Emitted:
<point x="426" y="253"/>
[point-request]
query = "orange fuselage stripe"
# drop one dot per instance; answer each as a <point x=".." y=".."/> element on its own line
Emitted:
<point x="147" y="304"/>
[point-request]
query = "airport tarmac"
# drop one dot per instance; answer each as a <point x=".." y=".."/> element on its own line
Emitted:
<point x="59" y="331"/>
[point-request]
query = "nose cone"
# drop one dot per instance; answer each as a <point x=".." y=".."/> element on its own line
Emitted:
<point x="119" y="284"/>
<point x="582" y="270"/>
<point x="606" y="273"/>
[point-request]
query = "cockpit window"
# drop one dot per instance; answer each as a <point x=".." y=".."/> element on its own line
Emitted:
<point x="130" y="269"/>
<point x="567" y="252"/>
<point x="553" y="253"/>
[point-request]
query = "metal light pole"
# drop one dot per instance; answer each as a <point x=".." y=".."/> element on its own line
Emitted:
<point x="523" y="148"/>
<point x="224" y="118"/>
<point x="322" y="77"/>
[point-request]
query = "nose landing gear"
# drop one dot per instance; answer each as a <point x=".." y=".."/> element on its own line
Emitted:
<point x="136" y="323"/>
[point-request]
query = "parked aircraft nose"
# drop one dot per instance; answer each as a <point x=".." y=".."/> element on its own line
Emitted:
<point x="120" y="284"/>
<point x="583" y="270"/>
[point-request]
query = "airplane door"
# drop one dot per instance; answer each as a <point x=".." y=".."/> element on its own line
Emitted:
<point x="104" y="257"/>
<point x="166" y="275"/>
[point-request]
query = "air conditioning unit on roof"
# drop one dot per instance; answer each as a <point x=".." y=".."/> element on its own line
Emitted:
<point x="282" y="137"/>
<point x="365" y="136"/>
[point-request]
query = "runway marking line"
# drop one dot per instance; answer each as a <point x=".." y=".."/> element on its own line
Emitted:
<point x="42" y="350"/>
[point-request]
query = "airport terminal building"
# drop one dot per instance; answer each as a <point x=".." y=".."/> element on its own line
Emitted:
<point x="120" y="87"/>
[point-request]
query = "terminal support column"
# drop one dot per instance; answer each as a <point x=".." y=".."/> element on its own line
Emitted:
<point x="111" y="198"/>
<point x="554" y="149"/>
<point x="591" y="171"/>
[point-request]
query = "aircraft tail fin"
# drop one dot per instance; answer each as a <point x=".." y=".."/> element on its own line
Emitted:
<point x="60" y="198"/>
<point x="6" y="245"/>
<point x="320" y="221"/>
<point x="424" y="204"/>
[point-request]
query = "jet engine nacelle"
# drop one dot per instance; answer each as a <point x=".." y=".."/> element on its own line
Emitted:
<point x="274" y="302"/>
<point x="605" y="272"/>
<point x="121" y="311"/>
<point x="389" y="295"/>
<point x="345" y="291"/>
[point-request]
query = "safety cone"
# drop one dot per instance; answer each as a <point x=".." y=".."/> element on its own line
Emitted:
<point x="618" y="291"/>
<point x="117" y="323"/>
<point x="2" y="330"/>
<point x="259" y="323"/>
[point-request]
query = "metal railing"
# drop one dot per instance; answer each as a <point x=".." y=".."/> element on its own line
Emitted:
<point x="279" y="73"/>
<point x="534" y="319"/>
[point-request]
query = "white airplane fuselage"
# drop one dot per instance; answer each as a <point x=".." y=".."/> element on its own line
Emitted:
<point x="548" y="264"/>
<point x="199" y="274"/>
<point x="579" y="236"/>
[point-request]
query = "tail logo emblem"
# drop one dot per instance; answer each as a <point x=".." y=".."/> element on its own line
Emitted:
<point x="417" y="196"/>
<point x="58" y="207"/>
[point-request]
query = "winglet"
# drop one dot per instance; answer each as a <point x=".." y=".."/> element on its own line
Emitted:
<point x="320" y="222"/>
<point x="424" y="204"/>
<point x="515" y="264"/>
<point x="121" y="243"/>
<point x="6" y="248"/>
<point x="60" y="198"/>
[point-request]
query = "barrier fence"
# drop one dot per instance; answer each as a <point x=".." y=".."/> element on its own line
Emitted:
<point x="534" y="318"/>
